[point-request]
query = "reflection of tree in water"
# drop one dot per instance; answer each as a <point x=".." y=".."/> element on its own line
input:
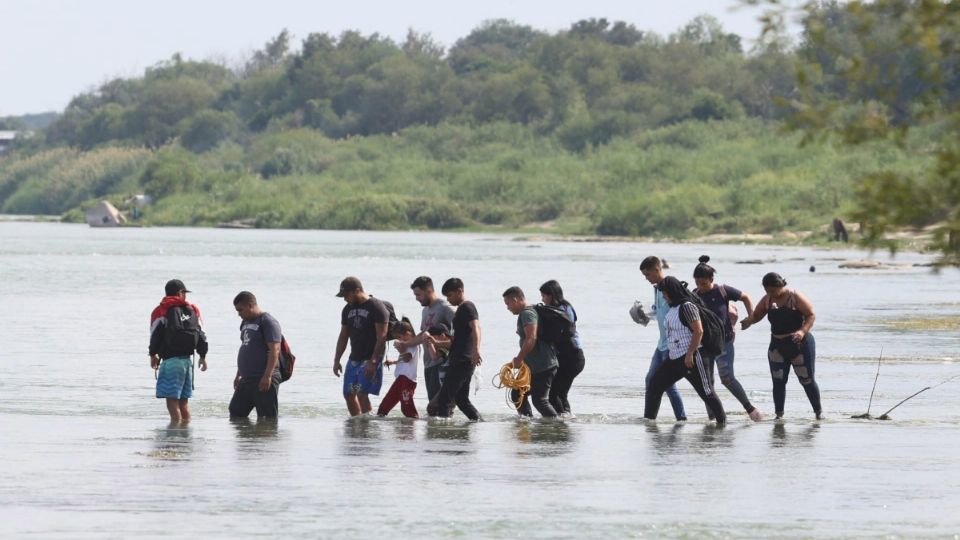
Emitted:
<point x="547" y="437"/>
<point x="173" y="443"/>
<point x="804" y="437"/>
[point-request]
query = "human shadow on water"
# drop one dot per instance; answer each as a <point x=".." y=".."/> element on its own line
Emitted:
<point x="173" y="443"/>
<point x="449" y="436"/>
<point x="781" y="437"/>
<point x="265" y="428"/>
<point x="361" y="436"/>
<point x="543" y="437"/>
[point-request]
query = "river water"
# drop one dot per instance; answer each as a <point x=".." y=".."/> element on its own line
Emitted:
<point x="87" y="452"/>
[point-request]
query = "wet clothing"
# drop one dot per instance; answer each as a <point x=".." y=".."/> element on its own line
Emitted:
<point x="672" y="371"/>
<point x="543" y="356"/>
<point x="785" y="319"/>
<point x="355" y="380"/>
<point x="540" y="383"/>
<point x="247" y="396"/>
<point x="435" y="314"/>
<point x="254" y="336"/>
<point x="462" y="350"/>
<point x="679" y="338"/>
<point x="803" y="365"/>
<point x="401" y="391"/>
<point x="455" y="390"/>
<point x="175" y="378"/>
<point x="570" y="362"/>
<point x="361" y="319"/>
<point x="658" y="359"/>
<point x="432" y="380"/>
<point x="715" y="301"/>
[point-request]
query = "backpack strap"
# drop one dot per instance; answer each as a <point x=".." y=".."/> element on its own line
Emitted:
<point x="723" y="292"/>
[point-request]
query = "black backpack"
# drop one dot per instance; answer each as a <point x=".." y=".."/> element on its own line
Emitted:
<point x="713" y="329"/>
<point x="393" y="329"/>
<point x="182" y="333"/>
<point x="555" y="326"/>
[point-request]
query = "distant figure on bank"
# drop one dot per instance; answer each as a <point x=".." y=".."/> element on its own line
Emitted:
<point x="436" y="312"/>
<point x="570" y="357"/>
<point x="363" y="322"/>
<point x="791" y="343"/>
<point x="257" y="382"/>
<point x="405" y="383"/>
<point x="717" y="298"/>
<point x="537" y="354"/>
<point x="652" y="270"/>
<point x="684" y="335"/>
<point x="463" y="358"/>
<point x="175" y="334"/>
<point x="840" y="231"/>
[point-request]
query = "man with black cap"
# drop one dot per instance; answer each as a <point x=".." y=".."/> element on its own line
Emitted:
<point x="363" y="323"/>
<point x="175" y="334"/>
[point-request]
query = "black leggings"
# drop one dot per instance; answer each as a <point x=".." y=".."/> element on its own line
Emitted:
<point x="540" y="391"/>
<point x="455" y="390"/>
<point x="571" y="364"/>
<point x="672" y="371"/>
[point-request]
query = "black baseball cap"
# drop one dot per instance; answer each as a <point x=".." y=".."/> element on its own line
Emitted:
<point x="174" y="286"/>
<point x="349" y="284"/>
<point x="440" y="329"/>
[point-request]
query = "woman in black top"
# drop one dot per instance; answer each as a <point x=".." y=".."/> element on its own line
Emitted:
<point x="791" y="343"/>
<point x="569" y="353"/>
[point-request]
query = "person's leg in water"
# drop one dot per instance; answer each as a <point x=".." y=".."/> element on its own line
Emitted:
<point x="391" y="399"/>
<point x="699" y="378"/>
<point x="803" y="367"/>
<point x="539" y="394"/>
<point x="184" y="406"/>
<point x="779" y="373"/>
<point x="666" y="376"/>
<point x="660" y="357"/>
<point x="352" y="387"/>
<point x="571" y="365"/>
<point x="725" y="369"/>
<point x="431" y="379"/>
<point x="173" y="407"/>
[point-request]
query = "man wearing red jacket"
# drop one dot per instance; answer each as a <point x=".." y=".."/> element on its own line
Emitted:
<point x="175" y="334"/>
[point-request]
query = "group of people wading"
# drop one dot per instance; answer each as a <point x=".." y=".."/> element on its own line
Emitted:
<point x="448" y="343"/>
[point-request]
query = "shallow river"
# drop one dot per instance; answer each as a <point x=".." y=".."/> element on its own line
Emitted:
<point x="87" y="452"/>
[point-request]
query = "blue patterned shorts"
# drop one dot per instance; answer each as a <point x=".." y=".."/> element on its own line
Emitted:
<point x="355" y="381"/>
<point x="175" y="380"/>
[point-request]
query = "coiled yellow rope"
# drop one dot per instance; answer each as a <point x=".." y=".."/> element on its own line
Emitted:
<point x="514" y="379"/>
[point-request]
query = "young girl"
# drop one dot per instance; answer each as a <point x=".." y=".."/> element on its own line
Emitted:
<point x="406" y="376"/>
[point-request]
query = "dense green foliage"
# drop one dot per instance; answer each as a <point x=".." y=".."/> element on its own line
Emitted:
<point x="601" y="128"/>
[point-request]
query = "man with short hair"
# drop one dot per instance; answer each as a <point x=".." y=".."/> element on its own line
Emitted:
<point x="363" y="322"/>
<point x="652" y="269"/>
<point x="463" y="358"/>
<point x="176" y="331"/>
<point x="539" y="355"/>
<point x="257" y="382"/>
<point x="436" y="312"/>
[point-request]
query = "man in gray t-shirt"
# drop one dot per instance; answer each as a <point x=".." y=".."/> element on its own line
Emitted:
<point x="258" y="360"/>
<point x="539" y="356"/>
<point x="436" y="312"/>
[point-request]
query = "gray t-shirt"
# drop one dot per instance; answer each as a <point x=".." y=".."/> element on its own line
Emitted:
<point x="254" y="336"/>
<point x="542" y="357"/>
<point x="439" y="312"/>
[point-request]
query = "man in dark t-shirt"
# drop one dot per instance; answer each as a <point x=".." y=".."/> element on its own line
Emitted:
<point x="257" y="381"/>
<point x="363" y="322"/>
<point x="464" y="356"/>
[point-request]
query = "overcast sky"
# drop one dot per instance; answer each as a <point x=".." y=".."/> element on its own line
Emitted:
<point x="55" y="49"/>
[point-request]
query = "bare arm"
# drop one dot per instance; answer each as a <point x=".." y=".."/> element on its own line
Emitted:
<point x="758" y="314"/>
<point x="273" y="357"/>
<point x="809" y="317"/>
<point x="378" y="349"/>
<point x="475" y="325"/>
<point x="529" y="342"/>
<point x="341" y="347"/>
<point x="747" y="303"/>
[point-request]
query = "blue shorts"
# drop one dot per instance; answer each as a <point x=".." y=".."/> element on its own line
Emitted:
<point x="175" y="380"/>
<point x="355" y="381"/>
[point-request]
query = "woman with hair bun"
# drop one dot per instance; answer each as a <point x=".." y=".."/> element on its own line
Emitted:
<point x="717" y="298"/>
<point x="791" y="343"/>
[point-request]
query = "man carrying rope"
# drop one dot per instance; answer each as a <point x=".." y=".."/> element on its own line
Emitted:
<point x="538" y="355"/>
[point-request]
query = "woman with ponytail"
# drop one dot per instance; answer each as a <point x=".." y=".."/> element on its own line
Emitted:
<point x="718" y="298"/>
